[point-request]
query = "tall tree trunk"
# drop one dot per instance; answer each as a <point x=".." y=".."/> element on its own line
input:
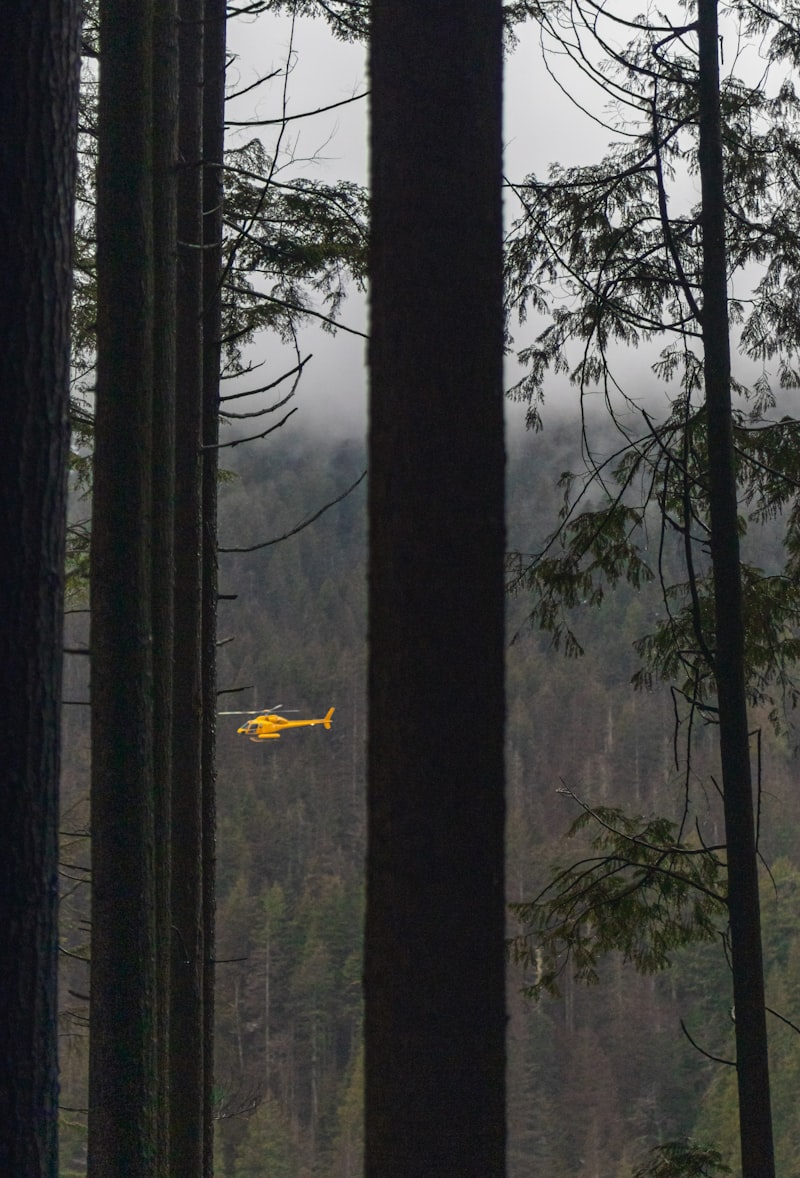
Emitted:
<point x="434" y="972"/>
<point x="165" y="158"/>
<point x="213" y="153"/>
<point x="188" y="959"/>
<point x="122" y="1067"/>
<point x="39" y="101"/>
<point x="729" y="666"/>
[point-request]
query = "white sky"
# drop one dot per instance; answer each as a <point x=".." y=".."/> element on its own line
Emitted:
<point x="327" y="147"/>
<point x="541" y="125"/>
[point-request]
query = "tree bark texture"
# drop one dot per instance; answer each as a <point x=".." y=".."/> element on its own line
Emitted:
<point x="434" y="972"/>
<point x="189" y="954"/>
<point x="729" y="656"/>
<point x="165" y="159"/>
<point x="122" y="1066"/>
<point x="214" y="49"/>
<point x="39" y="101"/>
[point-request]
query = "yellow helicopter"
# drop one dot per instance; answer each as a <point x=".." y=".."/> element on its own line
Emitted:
<point x="268" y="726"/>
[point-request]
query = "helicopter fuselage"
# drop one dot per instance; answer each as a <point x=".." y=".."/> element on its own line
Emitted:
<point x="270" y="727"/>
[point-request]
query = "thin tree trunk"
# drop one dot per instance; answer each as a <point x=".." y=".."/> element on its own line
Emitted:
<point x="434" y="972"/>
<point x="188" y="959"/>
<point x="122" y="1067"/>
<point x="213" y="153"/>
<point x="165" y="158"/>
<point x="39" y="101"/>
<point x="729" y="657"/>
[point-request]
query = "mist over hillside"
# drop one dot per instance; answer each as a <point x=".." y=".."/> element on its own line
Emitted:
<point x="598" y="1074"/>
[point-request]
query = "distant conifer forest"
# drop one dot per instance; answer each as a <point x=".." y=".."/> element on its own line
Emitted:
<point x="602" y="1069"/>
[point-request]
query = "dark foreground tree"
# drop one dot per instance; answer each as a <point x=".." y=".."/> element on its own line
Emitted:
<point x="165" y="154"/>
<point x="123" y="1057"/>
<point x="39" y="100"/>
<point x="188" y="957"/>
<point x="747" y="969"/>
<point x="214" y="62"/>
<point x="434" y="976"/>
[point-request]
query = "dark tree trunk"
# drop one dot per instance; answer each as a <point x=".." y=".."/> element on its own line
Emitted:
<point x="188" y="959"/>
<point x="729" y="656"/>
<point x="39" y="101"/>
<point x="213" y="151"/>
<point x="122" y="1067"/>
<point x="165" y="155"/>
<point x="434" y="973"/>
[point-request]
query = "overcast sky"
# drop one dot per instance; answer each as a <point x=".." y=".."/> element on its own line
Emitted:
<point x="541" y="125"/>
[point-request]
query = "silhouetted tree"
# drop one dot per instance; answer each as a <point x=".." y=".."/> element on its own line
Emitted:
<point x="729" y="659"/>
<point x="189" y="952"/>
<point x="39" y="100"/>
<point x="434" y="974"/>
<point x="214" y="64"/>
<point x="165" y="159"/>
<point x="123" y="1058"/>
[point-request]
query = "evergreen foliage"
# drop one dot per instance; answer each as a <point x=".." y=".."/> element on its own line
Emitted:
<point x="291" y="838"/>
<point x="678" y="1159"/>
<point x="624" y="249"/>
<point x="646" y="893"/>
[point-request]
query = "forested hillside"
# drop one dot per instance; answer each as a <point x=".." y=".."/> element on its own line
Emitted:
<point x="597" y="1075"/>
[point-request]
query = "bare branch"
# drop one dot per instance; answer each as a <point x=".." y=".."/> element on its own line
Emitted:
<point x="300" y="527"/>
